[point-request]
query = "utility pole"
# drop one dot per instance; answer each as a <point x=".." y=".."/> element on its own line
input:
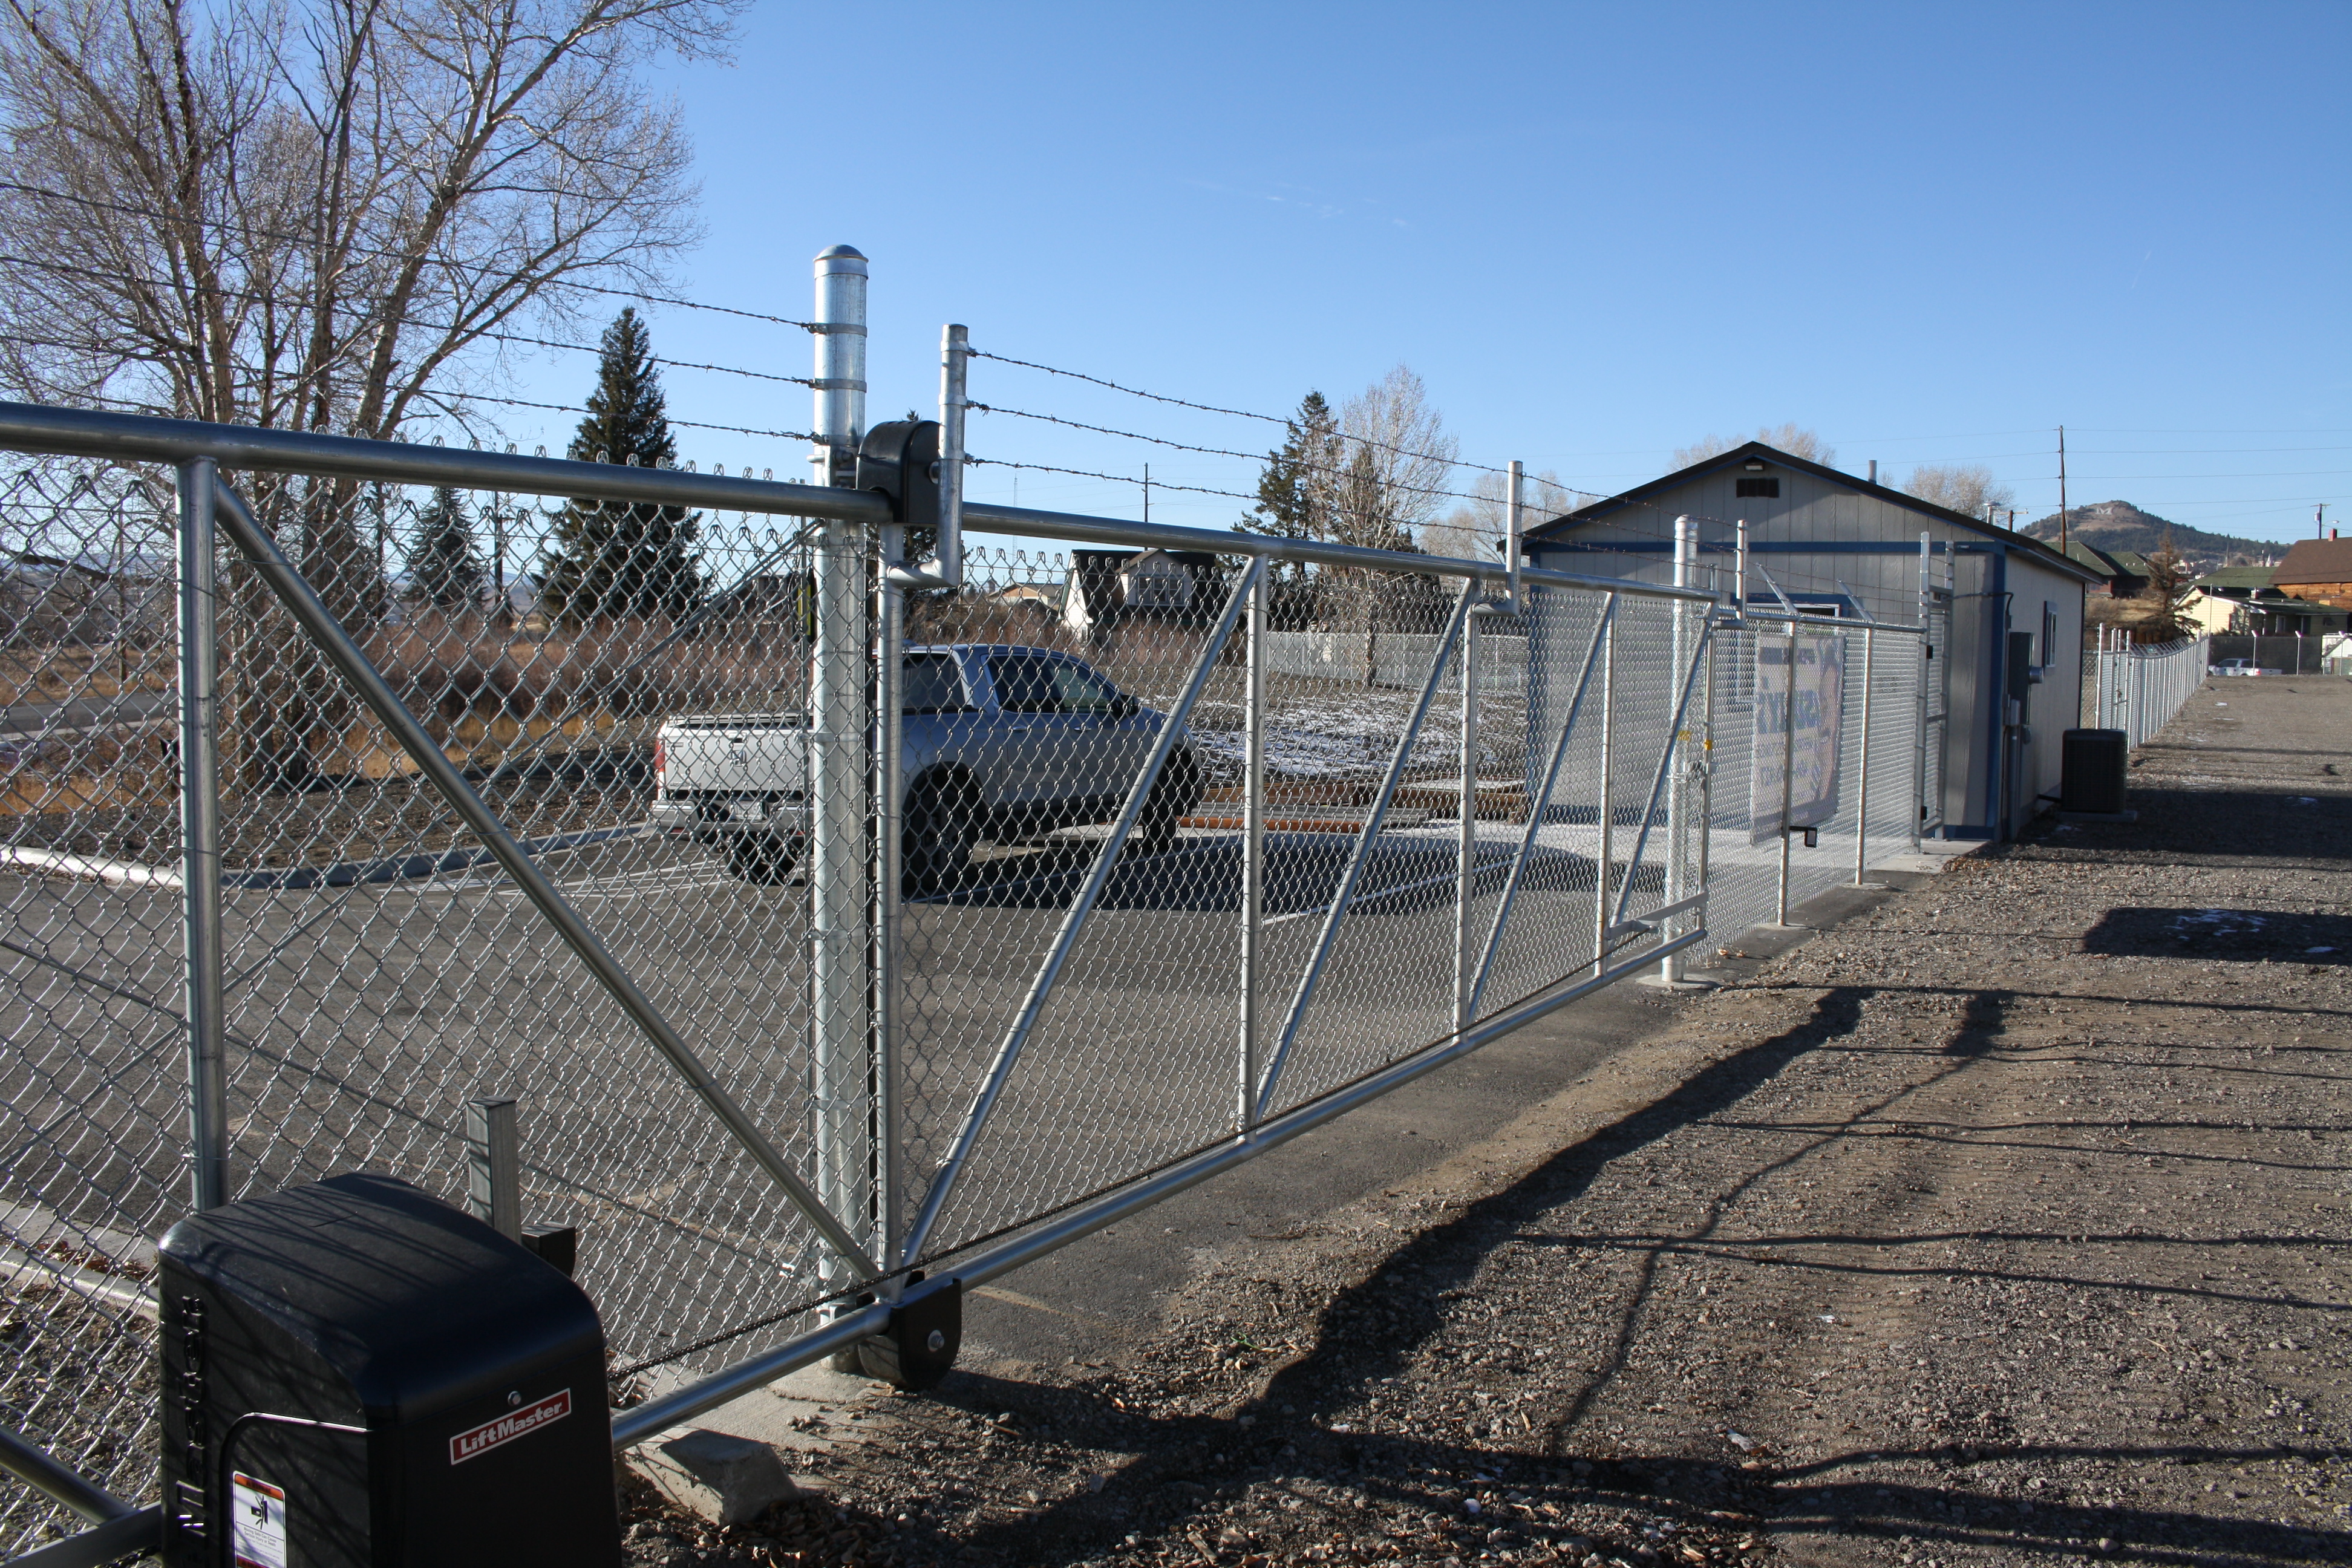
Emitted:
<point x="2062" y="490"/>
<point x="1147" y="492"/>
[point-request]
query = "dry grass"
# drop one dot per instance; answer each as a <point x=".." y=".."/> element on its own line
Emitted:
<point x="69" y="674"/>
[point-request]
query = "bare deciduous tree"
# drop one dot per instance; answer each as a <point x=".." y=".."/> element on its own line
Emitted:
<point x="1399" y="458"/>
<point x="1477" y="528"/>
<point x="1791" y="438"/>
<point x="304" y="215"/>
<point x="1967" y="488"/>
<point x="318" y="214"/>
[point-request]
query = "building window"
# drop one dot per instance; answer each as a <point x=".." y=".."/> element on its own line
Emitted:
<point x="1769" y="488"/>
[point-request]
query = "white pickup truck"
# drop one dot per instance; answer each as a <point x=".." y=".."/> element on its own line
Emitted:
<point x="998" y="742"/>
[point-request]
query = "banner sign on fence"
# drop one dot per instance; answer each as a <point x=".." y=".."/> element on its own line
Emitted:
<point x="1800" y="721"/>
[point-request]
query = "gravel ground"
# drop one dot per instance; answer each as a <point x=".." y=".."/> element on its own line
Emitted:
<point x="2002" y="1223"/>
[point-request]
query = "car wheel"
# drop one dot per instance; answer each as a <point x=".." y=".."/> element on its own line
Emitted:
<point x="758" y="859"/>
<point x="935" y="851"/>
<point x="1173" y="797"/>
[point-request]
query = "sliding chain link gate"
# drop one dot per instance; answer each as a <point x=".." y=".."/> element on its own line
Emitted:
<point x="829" y="929"/>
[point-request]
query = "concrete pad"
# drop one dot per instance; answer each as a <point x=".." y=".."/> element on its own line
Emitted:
<point x="1933" y="857"/>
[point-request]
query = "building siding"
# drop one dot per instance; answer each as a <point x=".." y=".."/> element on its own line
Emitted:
<point x="1820" y="539"/>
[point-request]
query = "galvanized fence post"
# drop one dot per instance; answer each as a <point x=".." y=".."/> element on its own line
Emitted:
<point x="841" y="1071"/>
<point x="1253" y="902"/>
<point x="1606" y="796"/>
<point x="1862" y="784"/>
<point x="1788" y="770"/>
<point x="1919" y="721"/>
<point x="890" y="677"/>
<point x="200" y="848"/>
<point x="1467" y="843"/>
<point x="1685" y="570"/>
<point x="494" y="1166"/>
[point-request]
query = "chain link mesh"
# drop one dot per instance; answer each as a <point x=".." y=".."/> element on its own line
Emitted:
<point x="678" y="715"/>
<point x="380" y="969"/>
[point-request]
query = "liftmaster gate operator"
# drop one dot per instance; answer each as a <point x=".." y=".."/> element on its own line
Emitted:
<point x="358" y="1375"/>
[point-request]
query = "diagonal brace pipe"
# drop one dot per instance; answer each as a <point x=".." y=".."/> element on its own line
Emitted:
<point x="1537" y="807"/>
<point x="299" y="597"/>
<point x="1665" y="764"/>
<point x="1446" y="642"/>
<point x="1073" y="921"/>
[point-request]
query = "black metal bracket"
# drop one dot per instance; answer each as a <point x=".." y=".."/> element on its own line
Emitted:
<point x="925" y="1333"/>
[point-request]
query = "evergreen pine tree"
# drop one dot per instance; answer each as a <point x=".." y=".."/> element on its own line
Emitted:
<point x="1295" y="488"/>
<point x="445" y="564"/>
<point x="608" y="559"/>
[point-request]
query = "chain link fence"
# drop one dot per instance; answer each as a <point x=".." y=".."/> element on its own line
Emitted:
<point x="2137" y="688"/>
<point x="939" y="915"/>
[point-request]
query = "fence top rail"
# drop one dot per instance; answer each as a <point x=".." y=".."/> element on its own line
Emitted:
<point x="138" y="437"/>
<point x="1078" y="528"/>
<point x="1825" y="623"/>
<point x="39" y="428"/>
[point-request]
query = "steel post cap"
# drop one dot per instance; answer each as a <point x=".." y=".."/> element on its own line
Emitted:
<point x="841" y="258"/>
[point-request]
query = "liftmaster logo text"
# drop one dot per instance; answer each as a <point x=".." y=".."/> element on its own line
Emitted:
<point x="514" y="1423"/>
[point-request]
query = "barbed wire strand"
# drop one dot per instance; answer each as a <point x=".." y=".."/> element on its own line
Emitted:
<point x="220" y="227"/>
<point x="257" y="298"/>
<point x="1212" y="451"/>
<point x="1238" y="412"/>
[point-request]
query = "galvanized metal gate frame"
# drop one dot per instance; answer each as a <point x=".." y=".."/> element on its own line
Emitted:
<point x="875" y="1263"/>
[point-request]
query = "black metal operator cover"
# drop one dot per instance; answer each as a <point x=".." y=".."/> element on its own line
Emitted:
<point x="475" y="1371"/>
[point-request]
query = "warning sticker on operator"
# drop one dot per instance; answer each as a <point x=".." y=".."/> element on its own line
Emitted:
<point x="257" y="1531"/>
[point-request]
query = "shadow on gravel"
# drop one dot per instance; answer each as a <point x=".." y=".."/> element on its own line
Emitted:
<point x="1957" y="1515"/>
<point x="2204" y="822"/>
<point x="1367" y="1332"/>
<point x="2221" y="934"/>
<point x="1185" y="1467"/>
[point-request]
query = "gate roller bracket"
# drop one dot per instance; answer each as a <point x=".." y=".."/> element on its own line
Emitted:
<point x="925" y="1333"/>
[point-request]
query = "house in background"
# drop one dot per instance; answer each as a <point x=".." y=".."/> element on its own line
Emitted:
<point x="2319" y="570"/>
<point x="2223" y="599"/>
<point x="1836" y="545"/>
<point x="1131" y="596"/>
<point x="2122" y="572"/>
<point x="2251" y="601"/>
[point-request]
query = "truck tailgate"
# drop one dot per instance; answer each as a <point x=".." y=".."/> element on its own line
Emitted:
<point x="763" y="754"/>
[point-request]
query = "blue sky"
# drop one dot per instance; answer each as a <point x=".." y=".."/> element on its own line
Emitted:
<point x="1933" y="234"/>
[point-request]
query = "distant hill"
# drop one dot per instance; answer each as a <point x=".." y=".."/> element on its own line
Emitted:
<point x="2119" y="525"/>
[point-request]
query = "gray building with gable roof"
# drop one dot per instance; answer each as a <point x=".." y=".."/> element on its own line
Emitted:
<point x="1840" y="546"/>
